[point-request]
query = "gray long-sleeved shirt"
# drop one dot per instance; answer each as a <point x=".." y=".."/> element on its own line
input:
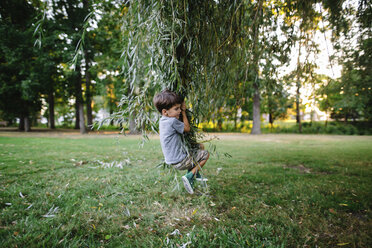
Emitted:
<point x="170" y="139"/>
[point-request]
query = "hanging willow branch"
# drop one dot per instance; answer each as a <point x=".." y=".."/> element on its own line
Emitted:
<point x="206" y="51"/>
<point x="183" y="46"/>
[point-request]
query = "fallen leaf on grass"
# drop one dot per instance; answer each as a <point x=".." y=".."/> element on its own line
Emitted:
<point x="81" y="163"/>
<point x="176" y="232"/>
<point x="194" y="212"/>
<point x="21" y="195"/>
<point x="342" y="244"/>
<point x="332" y="211"/>
<point x="343" y="204"/>
<point x="185" y="244"/>
<point x="108" y="236"/>
<point x="51" y="213"/>
<point x="126" y="212"/>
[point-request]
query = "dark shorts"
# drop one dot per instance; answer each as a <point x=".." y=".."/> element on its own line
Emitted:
<point x="191" y="160"/>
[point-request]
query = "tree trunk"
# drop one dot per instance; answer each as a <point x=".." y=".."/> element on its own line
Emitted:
<point x="236" y="120"/>
<point x="21" y="126"/>
<point x="298" y="112"/>
<point x="77" y="117"/>
<point x="219" y="119"/>
<point x="88" y="92"/>
<point x="83" y="129"/>
<point x="271" y="120"/>
<point x="111" y="111"/>
<point x="298" y="84"/>
<point x="219" y="125"/>
<point x="89" y="106"/>
<point x="132" y="124"/>
<point x="256" y="128"/>
<point x="79" y="103"/>
<point x="27" y="124"/>
<point x="51" y="110"/>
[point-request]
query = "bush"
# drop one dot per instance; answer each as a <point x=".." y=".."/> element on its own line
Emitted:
<point x="334" y="127"/>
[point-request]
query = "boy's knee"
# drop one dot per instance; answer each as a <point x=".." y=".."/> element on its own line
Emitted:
<point x="206" y="155"/>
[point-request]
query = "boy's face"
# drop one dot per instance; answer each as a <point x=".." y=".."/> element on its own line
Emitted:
<point x="174" y="111"/>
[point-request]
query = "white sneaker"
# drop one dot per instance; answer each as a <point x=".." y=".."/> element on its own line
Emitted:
<point x="188" y="184"/>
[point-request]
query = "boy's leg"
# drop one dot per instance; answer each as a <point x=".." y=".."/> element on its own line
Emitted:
<point x="188" y="179"/>
<point x="201" y="163"/>
<point x="201" y="146"/>
<point x="201" y="157"/>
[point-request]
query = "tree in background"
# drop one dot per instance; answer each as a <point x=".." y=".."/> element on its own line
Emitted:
<point x="264" y="51"/>
<point x="349" y="97"/>
<point x="108" y="41"/>
<point x="73" y="21"/>
<point x="277" y="100"/>
<point x="20" y="85"/>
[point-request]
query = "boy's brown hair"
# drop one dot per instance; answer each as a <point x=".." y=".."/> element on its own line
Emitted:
<point x="166" y="99"/>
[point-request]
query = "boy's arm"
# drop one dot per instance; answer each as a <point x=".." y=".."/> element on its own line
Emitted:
<point x="184" y="118"/>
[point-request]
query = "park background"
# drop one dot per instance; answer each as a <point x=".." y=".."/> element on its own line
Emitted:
<point x="77" y="77"/>
<point x="274" y="63"/>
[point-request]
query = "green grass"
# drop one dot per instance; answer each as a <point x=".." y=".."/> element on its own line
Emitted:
<point x="275" y="191"/>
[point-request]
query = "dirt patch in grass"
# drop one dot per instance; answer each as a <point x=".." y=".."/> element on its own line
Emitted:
<point x="305" y="170"/>
<point x="300" y="168"/>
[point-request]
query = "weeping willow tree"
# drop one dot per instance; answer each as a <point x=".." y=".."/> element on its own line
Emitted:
<point x="202" y="50"/>
<point x="183" y="46"/>
<point x="206" y="51"/>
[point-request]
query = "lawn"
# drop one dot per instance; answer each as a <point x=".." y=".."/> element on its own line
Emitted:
<point x="105" y="190"/>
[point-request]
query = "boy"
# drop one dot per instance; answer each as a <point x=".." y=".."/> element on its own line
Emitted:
<point x="170" y="106"/>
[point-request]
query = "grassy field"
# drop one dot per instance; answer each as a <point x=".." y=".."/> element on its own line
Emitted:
<point x="275" y="191"/>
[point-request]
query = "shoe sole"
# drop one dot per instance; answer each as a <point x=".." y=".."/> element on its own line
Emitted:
<point x="187" y="185"/>
<point x="202" y="179"/>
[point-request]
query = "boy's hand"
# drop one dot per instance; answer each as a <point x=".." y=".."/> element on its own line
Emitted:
<point x="183" y="107"/>
<point x="184" y="118"/>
